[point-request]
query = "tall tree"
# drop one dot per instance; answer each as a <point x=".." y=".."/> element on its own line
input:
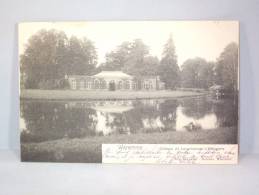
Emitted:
<point x="227" y="67"/>
<point x="39" y="63"/>
<point x="169" y="69"/>
<point x="129" y="57"/>
<point x="197" y="73"/>
<point x="82" y="56"/>
<point x="136" y="56"/>
<point x="150" y="66"/>
<point x="50" y="55"/>
<point x="116" y="59"/>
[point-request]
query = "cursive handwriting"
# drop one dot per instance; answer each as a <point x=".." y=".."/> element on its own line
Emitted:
<point x="169" y="154"/>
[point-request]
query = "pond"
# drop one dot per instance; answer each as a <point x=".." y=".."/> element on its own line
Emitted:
<point x="50" y="120"/>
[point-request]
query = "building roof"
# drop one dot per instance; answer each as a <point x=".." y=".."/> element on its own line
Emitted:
<point x="113" y="74"/>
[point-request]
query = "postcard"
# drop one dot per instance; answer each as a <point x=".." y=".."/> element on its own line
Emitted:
<point x="149" y="92"/>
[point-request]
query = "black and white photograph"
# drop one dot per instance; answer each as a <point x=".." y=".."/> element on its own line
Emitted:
<point x="85" y="84"/>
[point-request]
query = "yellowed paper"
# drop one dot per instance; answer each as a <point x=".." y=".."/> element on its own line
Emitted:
<point x="170" y="153"/>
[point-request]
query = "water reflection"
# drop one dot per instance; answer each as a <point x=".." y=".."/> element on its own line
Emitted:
<point x="184" y="122"/>
<point x="48" y="120"/>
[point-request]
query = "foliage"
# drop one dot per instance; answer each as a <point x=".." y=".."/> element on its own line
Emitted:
<point x="50" y="55"/>
<point x="197" y="73"/>
<point x="116" y="59"/>
<point x="135" y="59"/>
<point x="226" y="71"/>
<point x="168" y="69"/>
<point x="132" y="58"/>
<point x="150" y="66"/>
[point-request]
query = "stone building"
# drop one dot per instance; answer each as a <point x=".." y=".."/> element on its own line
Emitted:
<point x="114" y="80"/>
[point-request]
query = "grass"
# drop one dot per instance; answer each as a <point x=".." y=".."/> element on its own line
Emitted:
<point x="100" y="95"/>
<point x="89" y="149"/>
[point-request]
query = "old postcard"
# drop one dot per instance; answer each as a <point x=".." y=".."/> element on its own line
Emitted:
<point x="163" y="92"/>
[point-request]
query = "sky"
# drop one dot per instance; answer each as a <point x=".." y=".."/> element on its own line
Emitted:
<point x="205" y="39"/>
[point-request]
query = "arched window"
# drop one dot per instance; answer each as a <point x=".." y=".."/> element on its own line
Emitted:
<point x="136" y="85"/>
<point x="120" y="85"/>
<point x="88" y="84"/>
<point x="146" y="85"/>
<point x="103" y="84"/>
<point x="150" y="85"/>
<point x="82" y="84"/>
<point x="73" y="84"/>
<point x="127" y="85"/>
<point x="96" y="84"/>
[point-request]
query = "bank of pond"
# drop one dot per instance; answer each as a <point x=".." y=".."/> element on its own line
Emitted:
<point x="38" y="94"/>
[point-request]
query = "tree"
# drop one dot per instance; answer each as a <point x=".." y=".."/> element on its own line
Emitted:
<point x="150" y="66"/>
<point x="136" y="56"/>
<point x="82" y="56"/>
<point x="197" y="73"/>
<point x="50" y="55"/>
<point x="168" y="69"/>
<point x="227" y="67"/>
<point x="207" y="75"/>
<point x="129" y="57"/>
<point x="115" y="60"/>
<point x="38" y="56"/>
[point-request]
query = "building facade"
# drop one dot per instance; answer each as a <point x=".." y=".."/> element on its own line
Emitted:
<point x="114" y="80"/>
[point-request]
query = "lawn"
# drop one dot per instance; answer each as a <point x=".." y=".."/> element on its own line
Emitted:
<point x="89" y="149"/>
<point x="97" y="95"/>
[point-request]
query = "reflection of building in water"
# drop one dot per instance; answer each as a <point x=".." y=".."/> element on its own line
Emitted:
<point x="109" y="106"/>
<point x="183" y="122"/>
<point x="114" y="80"/>
<point x="49" y="120"/>
<point x="78" y="105"/>
<point x="112" y="106"/>
<point x="152" y="102"/>
<point x="110" y="116"/>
